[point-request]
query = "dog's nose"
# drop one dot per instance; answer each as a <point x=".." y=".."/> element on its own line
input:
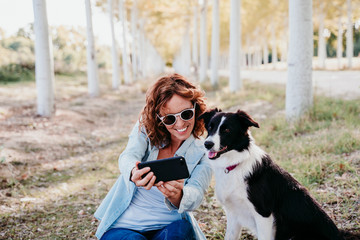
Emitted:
<point x="208" y="144"/>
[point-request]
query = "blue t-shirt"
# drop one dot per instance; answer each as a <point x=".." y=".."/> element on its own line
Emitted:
<point x="147" y="211"/>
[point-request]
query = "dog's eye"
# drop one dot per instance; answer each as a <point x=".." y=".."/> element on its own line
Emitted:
<point x="225" y="130"/>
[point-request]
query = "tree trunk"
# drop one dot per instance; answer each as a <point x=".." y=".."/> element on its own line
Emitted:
<point x="299" y="96"/>
<point x="141" y="44"/>
<point x="195" y="56"/>
<point x="134" y="56"/>
<point x="182" y="64"/>
<point x="234" y="48"/>
<point x="92" y="70"/>
<point x="284" y="48"/>
<point x="349" y="36"/>
<point x="322" y="44"/>
<point x="44" y="68"/>
<point x="265" y="54"/>
<point x="215" y="44"/>
<point x="114" y="54"/>
<point x="274" y="54"/>
<point x="203" y="43"/>
<point x="122" y="12"/>
<point x="339" y="49"/>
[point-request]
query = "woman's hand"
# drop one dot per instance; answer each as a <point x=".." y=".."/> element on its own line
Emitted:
<point x="172" y="190"/>
<point x="136" y="177"/>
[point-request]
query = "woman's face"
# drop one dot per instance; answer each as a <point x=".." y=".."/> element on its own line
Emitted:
<point x="181" y="130"/>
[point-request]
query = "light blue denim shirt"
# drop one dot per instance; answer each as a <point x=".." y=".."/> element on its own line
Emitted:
<point x="139" y="149"/>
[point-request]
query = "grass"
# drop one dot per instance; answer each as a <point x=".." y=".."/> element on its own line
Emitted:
<point x="322" y="151"/>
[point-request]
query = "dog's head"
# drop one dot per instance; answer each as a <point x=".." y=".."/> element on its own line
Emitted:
<point x="226" y="131"/>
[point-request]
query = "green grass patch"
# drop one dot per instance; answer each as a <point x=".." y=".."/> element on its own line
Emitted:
<point x="322" y="151"/>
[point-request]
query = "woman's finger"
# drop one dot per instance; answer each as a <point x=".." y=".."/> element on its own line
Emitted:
<point x="141" y="182"/>
<point x="150" y="183"/>
<point x="174" y="185"/>
<point x="164" y="191"/>
<point x="138" y="173"/>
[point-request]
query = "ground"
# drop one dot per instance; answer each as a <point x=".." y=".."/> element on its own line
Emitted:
<point x="44" y="161"/>
<point x="55" y="171"/>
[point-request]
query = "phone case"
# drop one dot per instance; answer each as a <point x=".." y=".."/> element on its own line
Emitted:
<point x="167" y="169"/>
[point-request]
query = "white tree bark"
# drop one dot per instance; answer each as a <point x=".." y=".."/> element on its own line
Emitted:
<point x="322" y="44"/>
<point x="152" y="64"/>
<point x="44" y="68"/>
<point x="134" y="47"/>
<point x="195" y="55"/>
<point x="141" y="44"/>
<point x="349" y="36"/>
<point x="299" y="93"/>
<point x="203" y="42"/>
<point x="274" y="54"/>
<point x="92" y="70"/>
<point x="265" y="53"/>
<point x="215" y="44"/>
<point x="285" y="38"/>
<point x="234" y="48"/>
<point x="114" y="54"/>
<point x="125" y="63"/>
<point x="182" y="62"/>
<point x="339" y="48"/>
<point x="187" y="50"/>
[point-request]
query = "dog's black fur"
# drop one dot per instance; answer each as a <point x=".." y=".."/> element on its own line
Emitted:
<point x="271" y="189"/>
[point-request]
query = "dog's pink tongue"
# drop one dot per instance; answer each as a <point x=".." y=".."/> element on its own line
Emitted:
<point x="212" y="154"/>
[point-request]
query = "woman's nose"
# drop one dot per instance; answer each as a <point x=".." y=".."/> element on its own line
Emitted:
<point x="179" y="121"/>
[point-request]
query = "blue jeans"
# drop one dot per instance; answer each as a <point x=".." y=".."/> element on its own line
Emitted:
<point x="178" y="230"/>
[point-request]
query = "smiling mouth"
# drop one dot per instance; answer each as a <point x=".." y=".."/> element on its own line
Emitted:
<point x="213" y="155"/>
<point x="182" y="130"/>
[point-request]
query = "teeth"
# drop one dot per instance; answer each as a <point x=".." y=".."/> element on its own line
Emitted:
<point x="182" y="130"/>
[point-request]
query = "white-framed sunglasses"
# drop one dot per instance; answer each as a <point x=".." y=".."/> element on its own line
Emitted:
<point x="185" y="115"/>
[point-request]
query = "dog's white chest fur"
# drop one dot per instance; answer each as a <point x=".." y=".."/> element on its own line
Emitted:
<point x="231" y="191"/>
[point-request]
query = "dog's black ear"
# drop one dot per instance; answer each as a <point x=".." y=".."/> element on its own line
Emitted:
<point x="246" y="119"/>
<point x="206" y="116"/>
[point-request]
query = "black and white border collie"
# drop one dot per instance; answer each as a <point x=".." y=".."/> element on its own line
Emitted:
<point x="254" y="191"/>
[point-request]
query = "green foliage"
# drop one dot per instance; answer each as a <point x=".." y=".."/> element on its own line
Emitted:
<point x="15" y="45"/>
<point x="17" y="53"/>
<point x="15" y="72"/>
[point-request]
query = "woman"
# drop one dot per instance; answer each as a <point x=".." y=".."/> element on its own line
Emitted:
<point x="135" y="207"/>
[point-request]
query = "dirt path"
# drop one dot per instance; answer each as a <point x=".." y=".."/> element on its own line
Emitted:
<point x="79" y="125"/>
<point x="339" y="84"/>
<point x="55" y="171"/>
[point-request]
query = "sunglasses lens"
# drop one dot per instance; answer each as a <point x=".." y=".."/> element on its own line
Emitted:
<point x="187" y="115"/>
<point x="169" y="120"/>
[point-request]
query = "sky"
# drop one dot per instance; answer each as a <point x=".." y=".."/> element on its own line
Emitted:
<point x="15" y="14"/>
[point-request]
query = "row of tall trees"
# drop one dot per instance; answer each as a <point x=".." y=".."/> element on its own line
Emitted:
<point x="241" y="32"/>
<point x="143" y="57"/>
<point x="266" y="29"/>
<point x="139" y="57"/>
<point x="252" y="33"/>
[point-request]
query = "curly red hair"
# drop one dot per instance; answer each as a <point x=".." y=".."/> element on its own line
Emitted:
<point x="157" y="95"/>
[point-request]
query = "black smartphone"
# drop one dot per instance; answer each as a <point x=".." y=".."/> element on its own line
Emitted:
<point x="167" y="169"/>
